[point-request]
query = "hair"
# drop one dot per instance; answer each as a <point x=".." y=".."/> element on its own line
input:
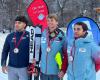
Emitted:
<point x="84" y="26"/>
<point x="53" y="16"/>
<point x="22" y="19"/>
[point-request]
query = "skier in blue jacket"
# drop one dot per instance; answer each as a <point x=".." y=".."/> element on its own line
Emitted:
<point x="17" y="47"/>
<point x="52" y="42"/>
<point x="83" y="53"/>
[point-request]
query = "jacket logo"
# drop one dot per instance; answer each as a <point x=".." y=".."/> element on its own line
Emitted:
<point x="43" y="40"/>
<point x="82" y="50"/>
<point x="24" y="38"/>
<point x="57" y="41"/>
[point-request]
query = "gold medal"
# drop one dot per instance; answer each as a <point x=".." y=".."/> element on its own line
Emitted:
<point x="16" y="50"/>
<point x="53" y="34"/>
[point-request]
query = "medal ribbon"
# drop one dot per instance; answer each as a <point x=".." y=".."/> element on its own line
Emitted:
<point x="73" y="47"/>
<point x="17" y="44"/>
<point x="48" y="40"/>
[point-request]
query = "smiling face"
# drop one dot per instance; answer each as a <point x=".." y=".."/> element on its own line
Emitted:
<point x="52" y="21"/>
<point x="52" y="24"/>
<point x="78" y="31"/>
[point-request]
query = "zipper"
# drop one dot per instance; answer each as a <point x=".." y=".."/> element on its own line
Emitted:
<point x="73" y="60"/>
<point x="46" y="62"/>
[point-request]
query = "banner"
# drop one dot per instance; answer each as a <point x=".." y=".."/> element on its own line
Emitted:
<point x="37" y="12"/>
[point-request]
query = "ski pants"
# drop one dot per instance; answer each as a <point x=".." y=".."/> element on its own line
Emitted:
<point x="17" y="73"/>
<point x="48" y="77"/>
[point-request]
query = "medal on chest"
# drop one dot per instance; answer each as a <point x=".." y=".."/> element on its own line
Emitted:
<point x="70" y="58"/>
<point x="48" y="49"/>
<point x="16" y="50"/>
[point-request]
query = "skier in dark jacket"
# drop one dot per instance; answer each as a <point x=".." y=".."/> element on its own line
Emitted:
<point x="17" y="47"/>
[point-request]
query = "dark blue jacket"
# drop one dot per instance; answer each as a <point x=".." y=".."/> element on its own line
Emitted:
<point x="20" y="59"/>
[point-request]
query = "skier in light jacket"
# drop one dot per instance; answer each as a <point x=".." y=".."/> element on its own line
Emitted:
<point x="83" y="53"/>
<point x="52" y="42"/>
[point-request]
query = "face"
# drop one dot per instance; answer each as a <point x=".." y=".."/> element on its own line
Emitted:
<point x="78" y="31"/>
<point x="19" y="26"/>
<point x="52" y="24"/>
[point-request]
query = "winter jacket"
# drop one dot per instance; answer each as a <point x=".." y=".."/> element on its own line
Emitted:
<point x="20" y="59"/>
<point x="85" y="54"/>
<point x="48" y="63"/>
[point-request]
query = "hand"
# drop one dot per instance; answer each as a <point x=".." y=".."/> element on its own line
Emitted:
<point x="35" y="72"/>
<point x="4" y="69"/>
<point x="61" y="74"/>
<point x="34" y="61"/>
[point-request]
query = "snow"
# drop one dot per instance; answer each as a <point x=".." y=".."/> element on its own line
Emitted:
<point x="4" y="76"/>
<point x="2" y="39"/>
